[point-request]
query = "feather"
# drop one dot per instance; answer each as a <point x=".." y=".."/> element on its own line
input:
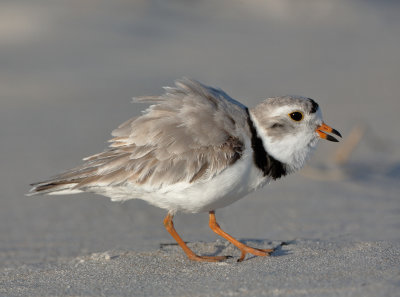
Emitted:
<point x="190" y="134"/>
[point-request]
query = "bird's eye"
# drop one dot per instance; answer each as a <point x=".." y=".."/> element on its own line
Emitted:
<point x="296" y="116"/>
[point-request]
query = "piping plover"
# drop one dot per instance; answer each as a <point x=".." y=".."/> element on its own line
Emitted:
<point x="195" y="149"/>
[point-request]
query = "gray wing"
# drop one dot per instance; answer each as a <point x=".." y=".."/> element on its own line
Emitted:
<point x="190" y="133"/>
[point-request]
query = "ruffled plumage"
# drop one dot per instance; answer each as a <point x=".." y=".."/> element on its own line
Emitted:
<point x="190" y="133"/>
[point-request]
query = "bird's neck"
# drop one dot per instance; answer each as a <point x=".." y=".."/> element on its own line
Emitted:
<point x="292" y="152"/>
<point x="262" y="159"/>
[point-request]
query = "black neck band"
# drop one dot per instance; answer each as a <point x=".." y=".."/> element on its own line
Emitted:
<point x="265" y="162"/>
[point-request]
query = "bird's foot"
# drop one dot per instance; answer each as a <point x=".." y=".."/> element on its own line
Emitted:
<point x="254" y="251"/>
<point x="208" y="258"/>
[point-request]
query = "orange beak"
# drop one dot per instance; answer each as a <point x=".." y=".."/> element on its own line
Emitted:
<point x="323" y="129"/>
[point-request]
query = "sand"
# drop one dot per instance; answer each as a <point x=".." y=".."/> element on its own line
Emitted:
<point x="297" y="268"/>
<point x="68" y="71"/>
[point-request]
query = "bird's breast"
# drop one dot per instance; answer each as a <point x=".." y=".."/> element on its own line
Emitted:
<point x="232" y="184"/>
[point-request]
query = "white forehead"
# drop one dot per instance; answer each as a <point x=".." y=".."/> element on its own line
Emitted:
<point x="285" y="105"/>
<point x="280" y="110"/>
<point x="285" y="110"/>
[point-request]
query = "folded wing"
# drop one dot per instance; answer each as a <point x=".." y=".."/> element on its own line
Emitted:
<point x="190" y="133"/>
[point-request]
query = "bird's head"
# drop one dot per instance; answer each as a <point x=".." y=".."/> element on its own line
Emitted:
<point x="290" y="127"/>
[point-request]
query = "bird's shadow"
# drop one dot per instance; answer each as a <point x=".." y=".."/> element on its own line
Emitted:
<point x="278" y="248"/>
<point x="219" y="248"/>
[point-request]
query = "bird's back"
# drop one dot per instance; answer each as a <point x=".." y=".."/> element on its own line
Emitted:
<point x="189" y="134"/>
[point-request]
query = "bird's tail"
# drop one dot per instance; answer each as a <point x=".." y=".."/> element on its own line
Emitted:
<point x="54" y="187"/>
<point x="69" y="182"/>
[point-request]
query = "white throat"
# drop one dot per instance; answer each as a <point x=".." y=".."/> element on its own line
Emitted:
<point x="293" y="150"/>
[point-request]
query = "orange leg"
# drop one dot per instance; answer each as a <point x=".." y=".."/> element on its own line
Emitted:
<point x="169" y="225"/>
<point x="244" y="248"/>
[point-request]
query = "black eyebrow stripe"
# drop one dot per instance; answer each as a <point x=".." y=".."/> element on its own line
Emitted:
<point x="314" y="106"/>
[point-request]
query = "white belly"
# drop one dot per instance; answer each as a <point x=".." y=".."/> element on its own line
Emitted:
<point x="229" y="186"/>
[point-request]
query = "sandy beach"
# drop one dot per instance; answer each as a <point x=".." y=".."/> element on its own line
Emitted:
<point x="68" y="73"/>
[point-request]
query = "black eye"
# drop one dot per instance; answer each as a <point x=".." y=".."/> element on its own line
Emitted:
<point x="296" y="116"/>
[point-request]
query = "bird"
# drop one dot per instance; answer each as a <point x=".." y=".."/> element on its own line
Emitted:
<point x="196" y="149"/>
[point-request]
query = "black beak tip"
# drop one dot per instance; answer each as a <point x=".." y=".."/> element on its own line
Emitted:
<point x="336" y="132"/>
<point x="331" y="138"/>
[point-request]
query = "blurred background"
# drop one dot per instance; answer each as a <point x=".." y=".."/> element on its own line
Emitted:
<point x="68" y="71"/>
